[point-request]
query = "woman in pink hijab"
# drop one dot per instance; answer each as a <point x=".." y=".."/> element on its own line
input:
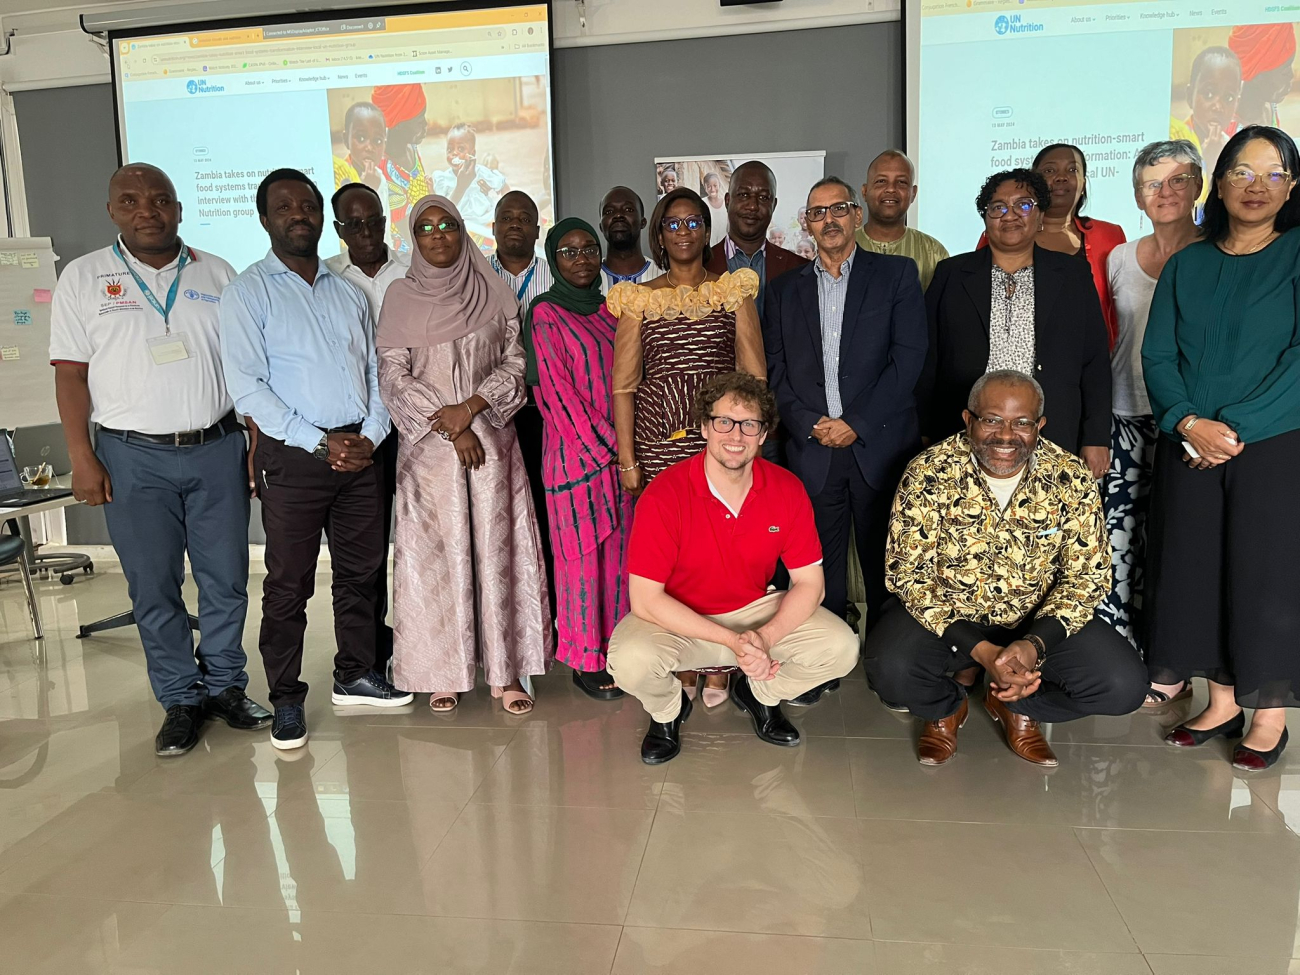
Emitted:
<point x="469" y="584"/>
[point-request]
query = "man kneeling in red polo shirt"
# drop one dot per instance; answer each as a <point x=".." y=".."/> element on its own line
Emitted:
<point x="706" y="539"/>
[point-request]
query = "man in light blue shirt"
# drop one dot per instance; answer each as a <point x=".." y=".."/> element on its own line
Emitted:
<point x="298" y="346"/>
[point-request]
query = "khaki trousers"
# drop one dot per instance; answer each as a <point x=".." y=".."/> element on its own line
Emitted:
<point x="644" y="658"/>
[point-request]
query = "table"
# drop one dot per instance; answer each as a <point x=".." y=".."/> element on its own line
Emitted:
<point x="23" y="517"/>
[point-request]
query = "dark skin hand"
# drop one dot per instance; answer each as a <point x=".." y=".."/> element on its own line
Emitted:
<point x="469" y="451"/>
<point x="350" y="451"/>
<point x="1011" y="668"/>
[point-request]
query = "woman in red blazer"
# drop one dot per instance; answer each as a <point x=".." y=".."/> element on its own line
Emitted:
<point x="1064" y="230"/>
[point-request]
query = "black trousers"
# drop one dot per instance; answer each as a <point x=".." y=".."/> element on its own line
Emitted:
<point x="1096" y="671"/>
<point x="301" y="497"/>
<point x="848" y="501"/>
<point x="1223" y="578"/>
<point x="386" y="461"/>
<point x="528" y="427"/>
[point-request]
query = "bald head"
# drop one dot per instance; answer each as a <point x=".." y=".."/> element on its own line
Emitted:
<point x="142" y="203"/>
<point x="889" y="191"/>
<point x="751" y="171"/>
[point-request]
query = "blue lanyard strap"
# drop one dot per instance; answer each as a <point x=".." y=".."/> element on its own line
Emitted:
<point x="149" y="295"/>
<point x="528" y="279"/>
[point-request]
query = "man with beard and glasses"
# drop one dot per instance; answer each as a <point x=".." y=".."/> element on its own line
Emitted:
<point x="622" y="218"/>
<point x="845" y="339"/>
<point x="298" y="344"/>
<point x="168" y="464"/>
<point x="889" y="192"/>
<point x="750" y="200"/>
<point x="998" y="556"/>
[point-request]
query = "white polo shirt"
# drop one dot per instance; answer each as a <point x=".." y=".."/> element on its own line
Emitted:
<point x="100" y="317"/>
<point x="374" y="288"/>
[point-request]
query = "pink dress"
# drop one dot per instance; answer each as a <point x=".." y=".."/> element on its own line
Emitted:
<point x="590" y="513"/>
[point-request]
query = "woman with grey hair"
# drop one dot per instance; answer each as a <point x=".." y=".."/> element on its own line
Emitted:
<point x="1167" y="182"/>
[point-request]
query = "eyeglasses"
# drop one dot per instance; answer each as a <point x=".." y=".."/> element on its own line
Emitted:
<point x="675" y="224"/>
<point x="374" y="224"/>
<point x="426" y="228"/>
<point x="573" y="253"/>
<point x="993" y="423"/>
<point x="1176" y="183"/>
<point x="725" y="424"/>
<point x="818" y="214"/>
<point x="1242" y="176"/>
<point x="997" y="211"/>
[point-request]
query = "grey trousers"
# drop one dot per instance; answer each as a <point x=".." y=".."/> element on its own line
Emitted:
<point x="168" y="501"/>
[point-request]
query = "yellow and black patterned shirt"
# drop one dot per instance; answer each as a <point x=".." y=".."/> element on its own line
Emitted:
<point x="959" y="563"/>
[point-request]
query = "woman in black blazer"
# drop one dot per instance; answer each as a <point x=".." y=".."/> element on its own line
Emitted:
<point x="1013" y="305"/>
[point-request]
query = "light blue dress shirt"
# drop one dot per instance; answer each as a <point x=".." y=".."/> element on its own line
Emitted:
<point x="736" y="259"/>
<point x="300" y="358"/>
<point x="831" y="294"/>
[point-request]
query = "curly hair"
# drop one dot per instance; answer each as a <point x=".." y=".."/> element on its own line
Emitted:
<point x="750" y="390"/>
<point x="1027" y="178"/>
<point x="656" y="229"/>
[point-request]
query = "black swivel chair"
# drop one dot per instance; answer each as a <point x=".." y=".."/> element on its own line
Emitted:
<point x="12" y="552"/>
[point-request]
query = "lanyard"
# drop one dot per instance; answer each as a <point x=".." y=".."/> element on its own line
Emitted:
<point x="171" y="293"/>
<point x="528" y="279"/>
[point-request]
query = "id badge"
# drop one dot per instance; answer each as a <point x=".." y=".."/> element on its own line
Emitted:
<point x="168" y="348"/>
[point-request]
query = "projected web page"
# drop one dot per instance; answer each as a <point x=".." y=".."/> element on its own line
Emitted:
<point x="456" y="103"/>
<point x="1000" y="79"/>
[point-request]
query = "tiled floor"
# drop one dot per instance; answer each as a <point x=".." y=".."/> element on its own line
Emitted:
<point x="408" y="842"/>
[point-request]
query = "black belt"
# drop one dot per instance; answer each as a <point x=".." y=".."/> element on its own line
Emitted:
<point x="185" y="438"/>
<point x="350" y="428"/>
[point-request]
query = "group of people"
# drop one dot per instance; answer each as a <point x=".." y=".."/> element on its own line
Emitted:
<point x="1059" y="458"/>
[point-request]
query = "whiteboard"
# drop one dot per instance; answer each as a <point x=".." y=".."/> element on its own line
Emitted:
<point x="26" y="289"/>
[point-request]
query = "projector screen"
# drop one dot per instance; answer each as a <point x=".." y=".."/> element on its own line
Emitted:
<point x="456" y="102"/>
<point x="990" y="82"/>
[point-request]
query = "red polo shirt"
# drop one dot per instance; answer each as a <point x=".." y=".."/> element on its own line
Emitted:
<point x="712" y="560"/>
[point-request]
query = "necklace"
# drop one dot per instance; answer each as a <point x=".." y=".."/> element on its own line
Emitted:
<point x="1260" y="246"/>
<point x="669" y="276"/>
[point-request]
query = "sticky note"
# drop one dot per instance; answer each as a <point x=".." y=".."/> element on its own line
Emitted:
<point x="9" y="352"/>
<point x="22" y="316"/>
<point x="42" y="296"/>
<point x="9" y="258"/>
<point x="29" y="260"/>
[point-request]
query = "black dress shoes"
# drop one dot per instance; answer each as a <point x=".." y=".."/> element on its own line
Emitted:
<point x="236" y="709"/>
<point x="180" y="730"/>
<point x="769" y="723"/>
<point x="663" y="741"/>
<point x="811" y="697"/>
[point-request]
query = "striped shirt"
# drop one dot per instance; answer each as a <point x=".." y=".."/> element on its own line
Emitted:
<point x="831" y="293"/>
<point x="528" y="283"/>
<point x="610" y="278"/>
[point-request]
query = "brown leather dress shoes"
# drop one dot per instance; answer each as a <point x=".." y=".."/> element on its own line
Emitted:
<point x="939" y="738"/>
<point x="1023" y="734"/>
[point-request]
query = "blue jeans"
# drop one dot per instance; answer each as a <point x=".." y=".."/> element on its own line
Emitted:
<point x="167" y="501"/>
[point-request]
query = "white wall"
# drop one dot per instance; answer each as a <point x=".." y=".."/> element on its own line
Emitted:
<point x="49" y="50"/>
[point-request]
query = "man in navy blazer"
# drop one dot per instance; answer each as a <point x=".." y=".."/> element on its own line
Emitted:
<point x="846" y="340"/>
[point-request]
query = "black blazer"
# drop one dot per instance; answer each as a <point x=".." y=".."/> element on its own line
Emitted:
<point x="882" y="351"/>
<point x="1071" y="351"/>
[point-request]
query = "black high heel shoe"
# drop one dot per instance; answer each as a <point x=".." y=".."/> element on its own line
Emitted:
<point x="1185" y="737"/>
<point x="1252" y="760"/>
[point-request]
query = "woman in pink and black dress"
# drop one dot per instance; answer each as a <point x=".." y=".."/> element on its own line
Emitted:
<point x="572" y="337"/>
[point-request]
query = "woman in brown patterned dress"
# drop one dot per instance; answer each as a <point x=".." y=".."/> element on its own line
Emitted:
<point x="675" y="334"/>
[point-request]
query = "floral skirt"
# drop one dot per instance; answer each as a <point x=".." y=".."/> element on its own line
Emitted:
<point x="1126" y="491"/>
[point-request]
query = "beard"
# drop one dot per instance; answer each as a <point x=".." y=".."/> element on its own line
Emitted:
<point x="298" y="246"/>
<point x="623" y="240"/>
<point x="999" y="464"/>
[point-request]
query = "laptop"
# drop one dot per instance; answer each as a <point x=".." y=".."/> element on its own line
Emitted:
<point x="42" y="444"/>
<point x="12" y="492"/>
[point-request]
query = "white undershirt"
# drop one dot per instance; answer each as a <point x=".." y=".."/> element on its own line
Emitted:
<point x="1003" y="487"/>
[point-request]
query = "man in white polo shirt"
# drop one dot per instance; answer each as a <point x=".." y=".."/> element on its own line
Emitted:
<point x="370" y="264"/>
<point x="135" y="347"/>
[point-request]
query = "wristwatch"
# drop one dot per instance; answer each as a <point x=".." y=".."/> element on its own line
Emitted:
<point x="322" y="451"/>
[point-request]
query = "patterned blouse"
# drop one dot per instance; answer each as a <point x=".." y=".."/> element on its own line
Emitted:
<point x="1011" y="321"/>
<point x="955" y="559"/>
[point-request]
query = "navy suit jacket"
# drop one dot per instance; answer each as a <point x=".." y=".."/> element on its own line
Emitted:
<point x="882" y="351"/>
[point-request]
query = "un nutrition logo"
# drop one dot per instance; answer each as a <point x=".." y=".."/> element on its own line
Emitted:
<point x="192" y="86"/>
<point x="1001" y="26"/>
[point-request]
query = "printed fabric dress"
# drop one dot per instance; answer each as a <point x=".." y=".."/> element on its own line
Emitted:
<point x="672" y="341"/>
<point x="469" y="585"/>
<point x="590" y="513"/>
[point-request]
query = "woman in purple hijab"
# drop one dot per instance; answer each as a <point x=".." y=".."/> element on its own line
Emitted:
<point x="469" y="584"/>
